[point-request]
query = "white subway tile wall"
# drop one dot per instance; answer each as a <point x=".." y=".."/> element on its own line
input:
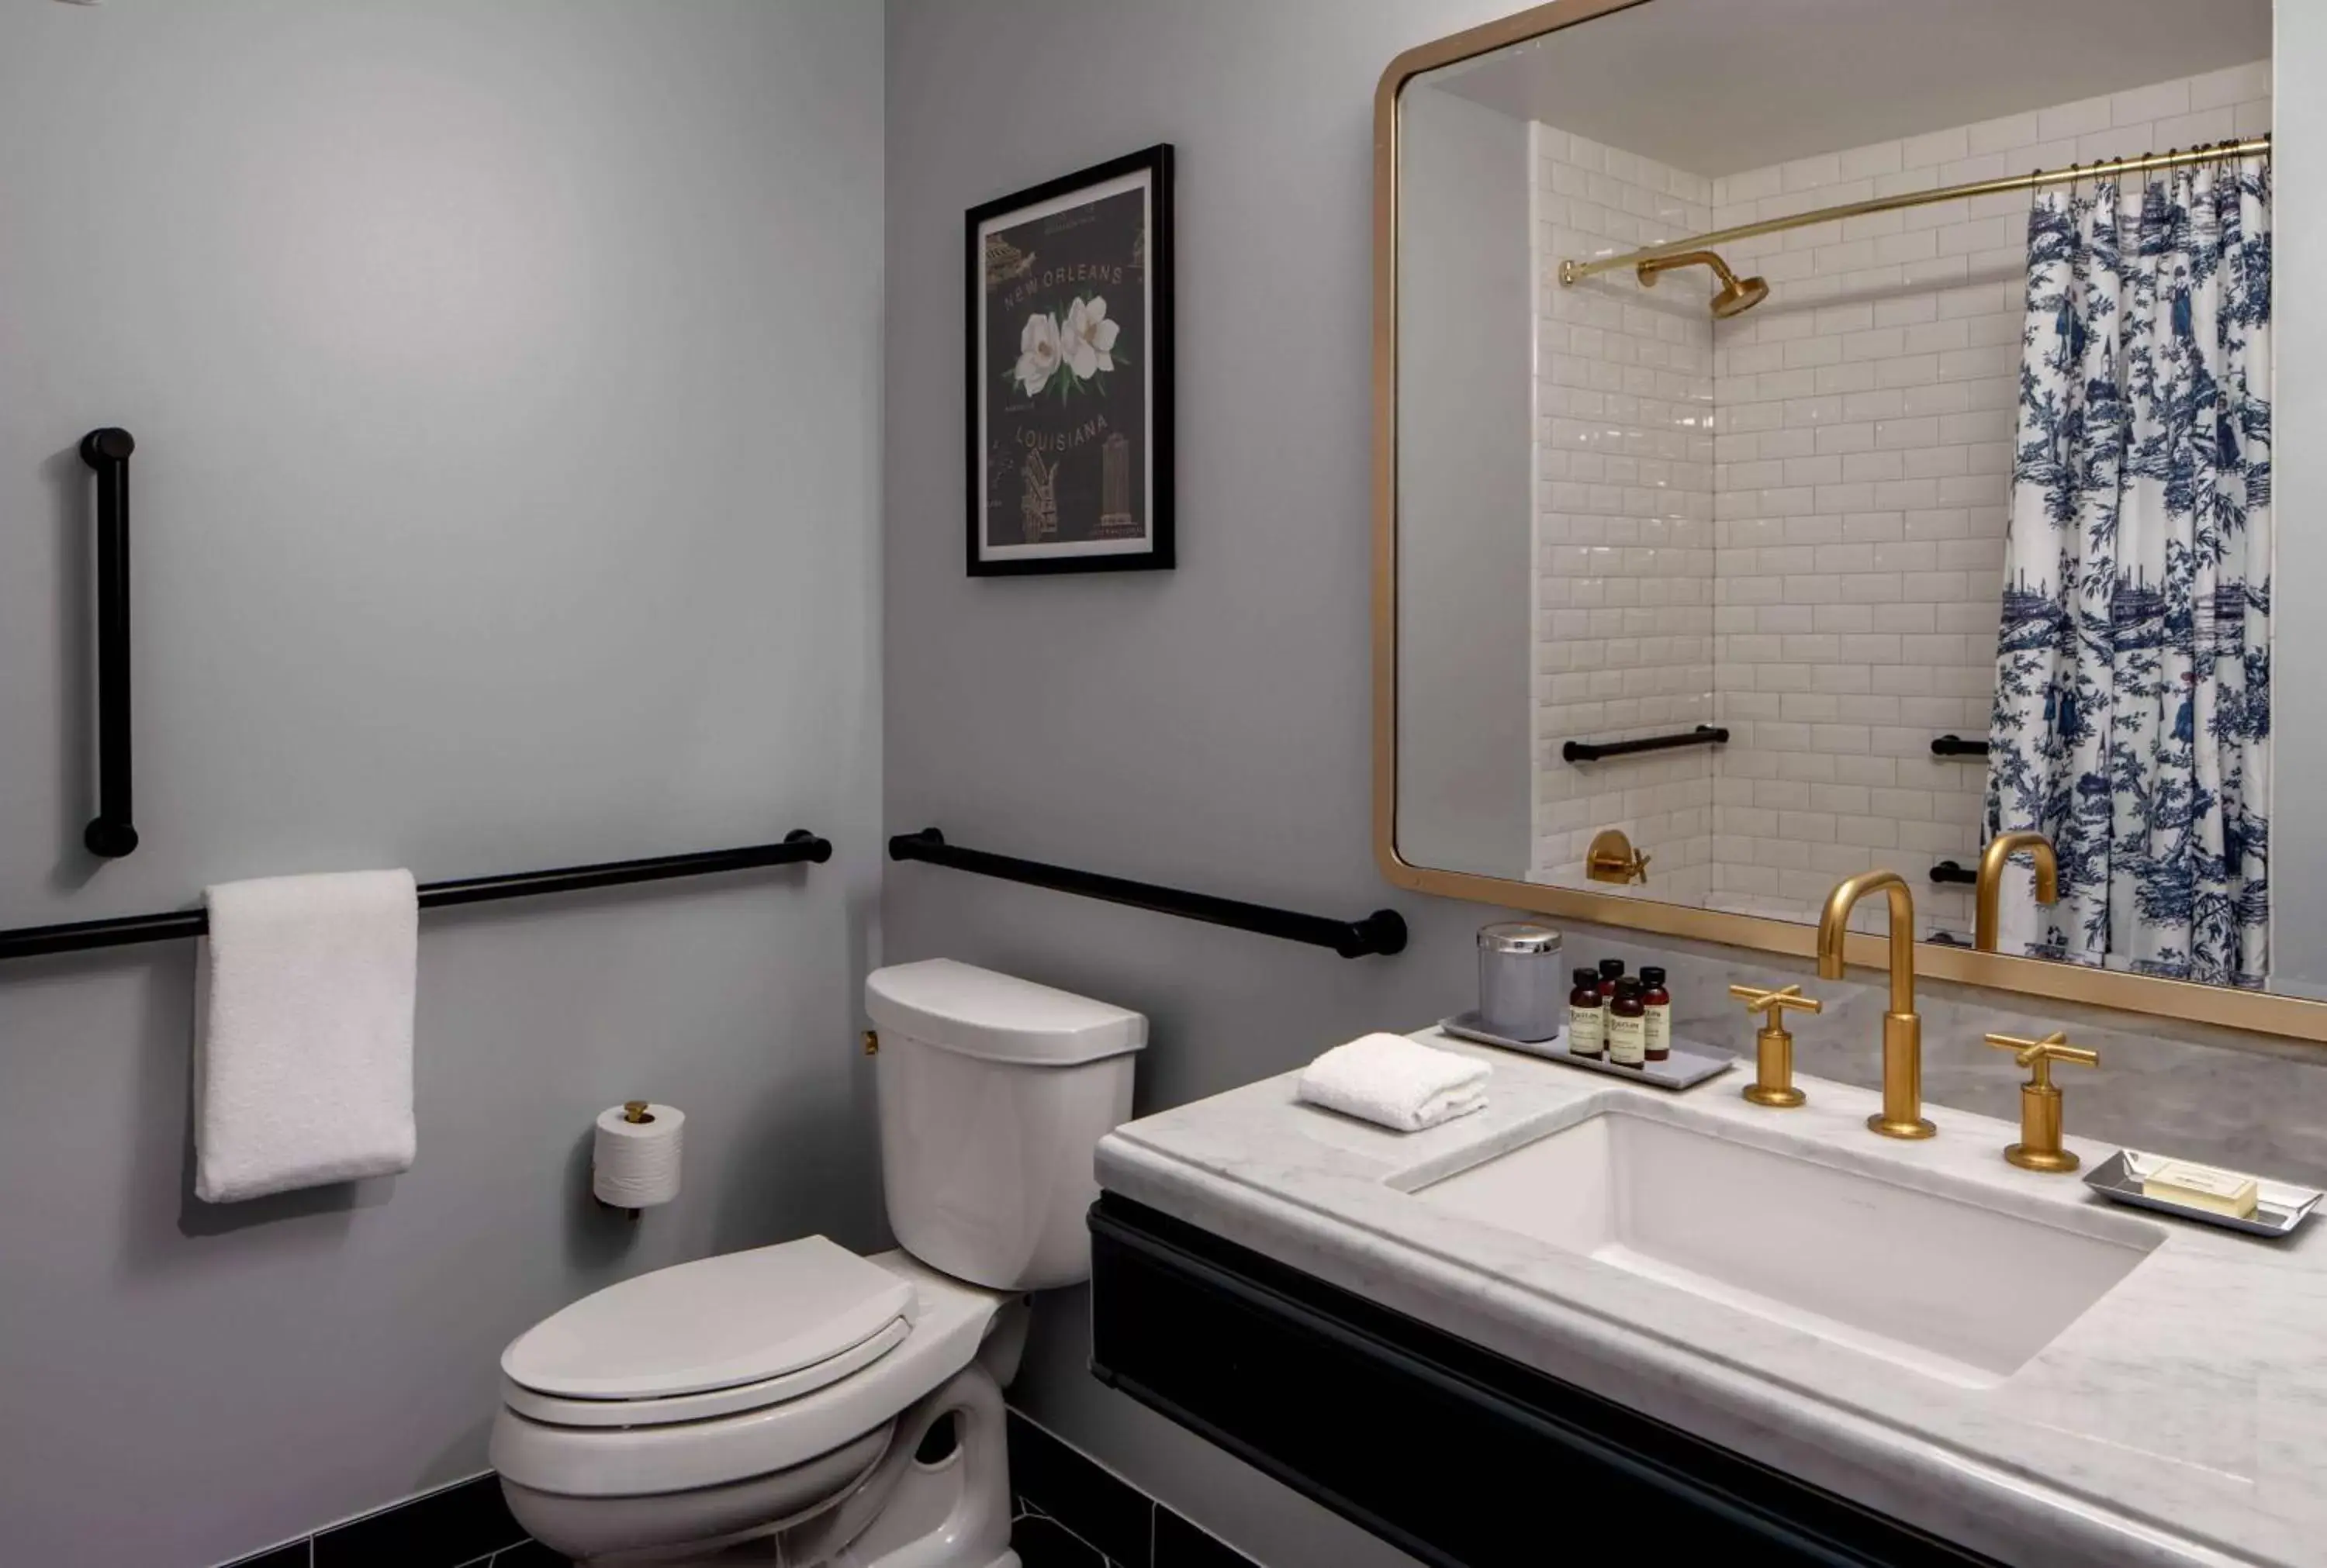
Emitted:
<point x="1624" y="527"/>
<point x="1859" y="481"/>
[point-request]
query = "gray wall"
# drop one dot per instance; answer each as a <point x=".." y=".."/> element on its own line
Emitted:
<point x="1210" y="726"/>
<point x="1466" y="488"/>
<point x="1207" y="727"/>
<point x="505" y="380"/>
<point x="2298" y="930"/>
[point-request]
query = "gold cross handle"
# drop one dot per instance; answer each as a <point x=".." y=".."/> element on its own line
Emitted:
<point x="2039" y="1055"/>
<point x="1775" y="1002"/>
<point x="1773" y="1079"/>
<point x="2039" y="1148"/>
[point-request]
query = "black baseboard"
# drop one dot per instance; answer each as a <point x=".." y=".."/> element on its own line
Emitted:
<point x="463" y="1525"/>
<point x="1073" y="1513"/>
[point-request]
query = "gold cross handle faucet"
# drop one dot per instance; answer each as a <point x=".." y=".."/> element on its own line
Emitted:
<point x="2039" y="1148"/>
<point x="1774" y="1083"/>
<point x="1612" y="859"/>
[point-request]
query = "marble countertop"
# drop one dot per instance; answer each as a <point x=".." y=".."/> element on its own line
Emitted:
<point x="2181" y="1420"/>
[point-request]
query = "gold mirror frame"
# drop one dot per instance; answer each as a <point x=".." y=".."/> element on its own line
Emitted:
<point x="2252" y="1010"/>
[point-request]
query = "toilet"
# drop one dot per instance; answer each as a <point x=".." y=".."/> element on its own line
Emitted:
<point x="801" y="1404"/>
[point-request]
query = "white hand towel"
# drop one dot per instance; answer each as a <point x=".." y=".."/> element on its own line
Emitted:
<point x="303" y="1071"/>
<point x="1391" y="1080"/>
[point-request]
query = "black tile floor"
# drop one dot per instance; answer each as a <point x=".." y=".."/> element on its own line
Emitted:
<point x="1071" y="1513"/>
<point x="462" y="1525"/>
<point x="1068" y="1512"/>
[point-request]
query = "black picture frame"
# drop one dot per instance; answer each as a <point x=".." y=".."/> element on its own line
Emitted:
<point x="1076" y="505"/>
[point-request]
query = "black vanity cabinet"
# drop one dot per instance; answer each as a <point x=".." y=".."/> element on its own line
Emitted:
<point x="1455" y="1454"/>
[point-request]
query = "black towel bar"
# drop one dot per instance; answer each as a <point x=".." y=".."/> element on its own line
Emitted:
<point x="1588" y="751"/>
<point x="1382" y="932"/>
<point x="799" y="844"/>
<point x="111" y="832"/>
<point x="1949" y="870"/>
<point x="1957" y="746"/>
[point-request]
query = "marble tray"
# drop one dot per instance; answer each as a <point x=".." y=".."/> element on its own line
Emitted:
<point x="2278" y="1207"/>
<point x="1689" y="1064"/>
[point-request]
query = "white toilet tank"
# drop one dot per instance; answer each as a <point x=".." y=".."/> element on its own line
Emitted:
<point x="993" y="1092"/>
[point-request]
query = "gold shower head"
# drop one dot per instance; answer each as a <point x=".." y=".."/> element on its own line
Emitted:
<point x="1736" y="294"/>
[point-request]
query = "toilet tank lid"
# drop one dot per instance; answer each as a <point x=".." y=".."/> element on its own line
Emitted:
<point x="957" y="1006"/>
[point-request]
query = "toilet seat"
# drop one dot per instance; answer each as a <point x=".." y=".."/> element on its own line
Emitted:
<point x="545" y="1407"/>
<point x="716" y="1323"/>
<point x="559" y="1444"/>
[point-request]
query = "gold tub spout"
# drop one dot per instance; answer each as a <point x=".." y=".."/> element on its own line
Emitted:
<point x="1901" y="1115"/>
<point x="1992" y="860"/>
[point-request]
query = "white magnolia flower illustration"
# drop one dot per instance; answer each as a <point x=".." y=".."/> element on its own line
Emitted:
<point x="1038" y="352"/>
<point x="1089" y="336"/>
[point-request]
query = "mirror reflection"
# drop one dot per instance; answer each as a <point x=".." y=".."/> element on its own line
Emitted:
<point x="1839" y="436"/>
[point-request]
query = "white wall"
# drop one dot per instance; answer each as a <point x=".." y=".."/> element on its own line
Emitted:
<point x="1624" y="515"/>
<point x="505" y="383"/>
<point x="1867" y="413"/>
<point x="1860" y="492"/>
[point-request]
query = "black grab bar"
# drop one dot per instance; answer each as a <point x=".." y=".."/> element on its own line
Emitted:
<point x="1957" y="746"/>
<point x="799" y="844"/>
<point x="1381" y="932"/>
<point x="111" y="831"/>
<point x="1949" y="870"/>
<point x="1589" y="752"/>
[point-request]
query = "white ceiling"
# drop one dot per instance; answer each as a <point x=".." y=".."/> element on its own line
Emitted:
<point x="1717" y="85"/>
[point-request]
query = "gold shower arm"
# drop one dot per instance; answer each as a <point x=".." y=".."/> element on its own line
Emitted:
<point x="1574" y="272"/>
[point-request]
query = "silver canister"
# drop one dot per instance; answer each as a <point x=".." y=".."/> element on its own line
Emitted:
<point x="1522" y="992"/>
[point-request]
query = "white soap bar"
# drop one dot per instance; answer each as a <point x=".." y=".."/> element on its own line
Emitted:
<point x="2202" y="1186"/>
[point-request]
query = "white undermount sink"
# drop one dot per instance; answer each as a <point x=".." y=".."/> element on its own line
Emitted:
<point x="1951" y="1288"/>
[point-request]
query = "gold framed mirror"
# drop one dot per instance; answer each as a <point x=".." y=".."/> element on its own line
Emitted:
<point x="1829" y="704"/>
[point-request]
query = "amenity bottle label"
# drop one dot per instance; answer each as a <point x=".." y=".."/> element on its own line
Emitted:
<point x="1628" y="1038"/>
<point x="1584" y="1030"/>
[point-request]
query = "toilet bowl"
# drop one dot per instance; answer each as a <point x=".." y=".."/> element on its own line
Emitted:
<point x="801" y="1404"/>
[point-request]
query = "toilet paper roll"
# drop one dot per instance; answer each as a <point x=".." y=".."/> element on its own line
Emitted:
<point x="635" y="1164"/>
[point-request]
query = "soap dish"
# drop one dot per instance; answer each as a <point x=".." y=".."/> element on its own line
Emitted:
<point x="1688" y="1064"/>
<point x="2278" y="1207"/>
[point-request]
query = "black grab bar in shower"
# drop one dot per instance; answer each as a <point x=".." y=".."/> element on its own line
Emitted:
<point x="111" y="832"/>
<point x="1957" y="746"/>
<point x="1382" y="932"/>
<point x="799" y="844"/>
<point x="1591" y="752"/>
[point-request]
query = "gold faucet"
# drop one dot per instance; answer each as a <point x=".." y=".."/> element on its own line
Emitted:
<point x="1901" y="1115"/>
<point x="2000" y="850"/>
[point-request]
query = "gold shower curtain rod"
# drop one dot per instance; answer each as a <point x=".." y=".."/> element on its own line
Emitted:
<point x="1575" y="272"/>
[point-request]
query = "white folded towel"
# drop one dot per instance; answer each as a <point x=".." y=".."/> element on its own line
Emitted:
<point x="1390" y="1079"/>
<point x="304" y="1069"/>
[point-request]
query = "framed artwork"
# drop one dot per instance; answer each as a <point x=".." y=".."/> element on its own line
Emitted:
<point x="1069" y="373"/>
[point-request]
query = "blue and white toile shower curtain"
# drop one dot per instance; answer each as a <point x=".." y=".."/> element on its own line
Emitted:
<point x="2132" y="721"/>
